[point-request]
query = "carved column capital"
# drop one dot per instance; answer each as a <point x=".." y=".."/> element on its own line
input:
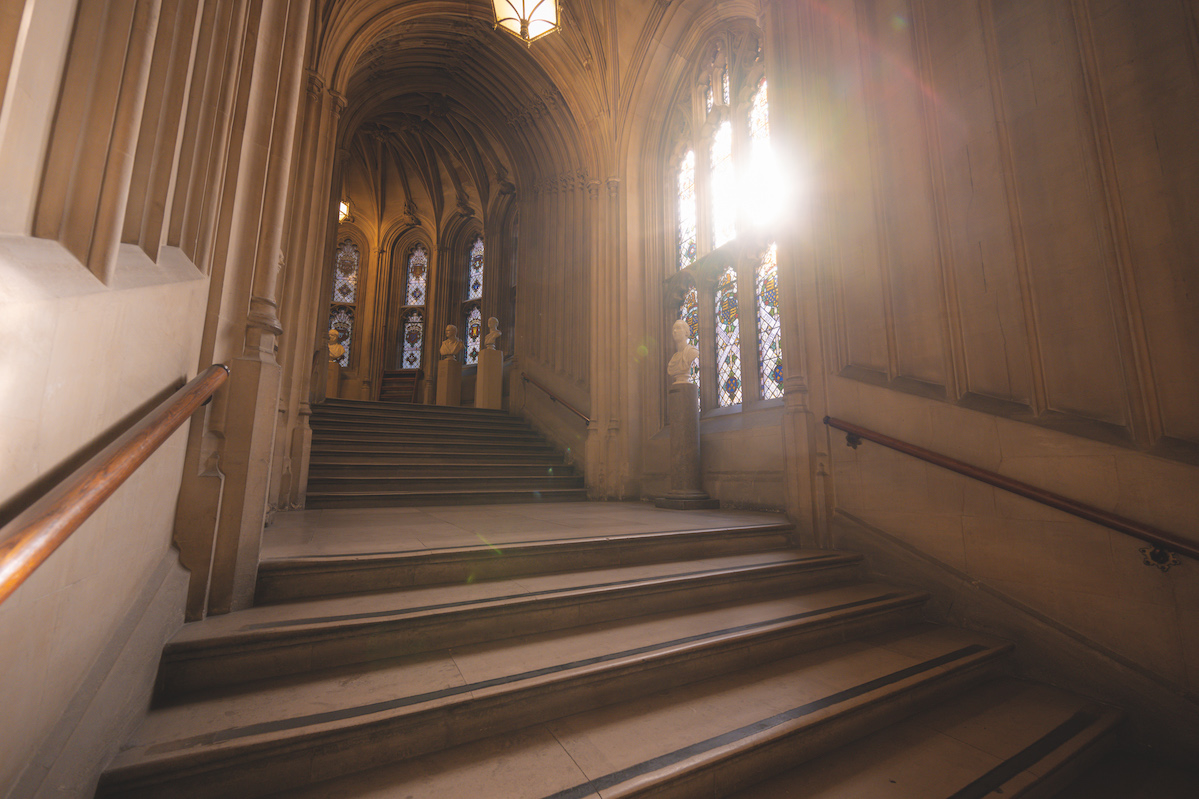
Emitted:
<point x="315" y="86"/>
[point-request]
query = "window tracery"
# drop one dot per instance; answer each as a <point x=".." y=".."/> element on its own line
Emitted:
<point x="346" y="262"/>
<point x="471" y="307"/>
<point x="719" y="202"/>
<point x="728" y="340"/>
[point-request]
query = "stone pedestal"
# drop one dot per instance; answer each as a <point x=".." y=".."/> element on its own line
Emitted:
<point x="686" y="492"/>
<point x="449" y="382"/>
<point x="333" y="382"/>
<point x="489" y="388"/>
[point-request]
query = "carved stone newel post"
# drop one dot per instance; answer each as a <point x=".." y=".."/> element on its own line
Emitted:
<point x="686" y="491"/>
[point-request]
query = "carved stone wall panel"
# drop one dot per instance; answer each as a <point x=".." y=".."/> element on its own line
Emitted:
<point x="905" y="193"/>
<point x="982" y="252"/>
<point x="1061" y="208"/>
<point x="1157" y="169"/>
<point x="861" y="316"/>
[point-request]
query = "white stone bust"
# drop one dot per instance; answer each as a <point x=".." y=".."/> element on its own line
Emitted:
<point x="685" y="354"/>
<point x="493" y="333"/>
<point x="336" y="350"/>
<point x="452" y="344"/>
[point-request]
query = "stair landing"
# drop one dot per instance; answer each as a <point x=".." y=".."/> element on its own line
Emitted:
<point x="365" y="531"/>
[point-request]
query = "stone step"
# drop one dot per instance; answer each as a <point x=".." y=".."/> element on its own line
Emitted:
<point x="292" y="638"/>
<point x="479" y="448"/>
<point x="324" y="483"/>
<point x="1007" y="738"/>
<point x="464" y="440"/>
<point x="370" y="408"/>
<point x="363" y="468"/>
<point x="755" y="715"/>
<point x="351" y="456"/>
<point x="287" y="733"/>
<point x="325" y="421"/>
<point x="406" y="499"/>
<point x="306" y="577"/>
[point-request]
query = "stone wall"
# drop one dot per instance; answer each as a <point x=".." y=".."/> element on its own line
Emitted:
<point x="1012" y="280"/>
<point x="81" y="361"/>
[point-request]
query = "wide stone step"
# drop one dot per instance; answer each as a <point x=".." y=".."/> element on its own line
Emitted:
<point x="341" y="483"/>
<point x="363" y="468"/>
<point x="352" y="456"/>
<point x="348" y="421"/>
<point x="402" y="408"/>
<point x="275" y="640"/>
<point x="1004" y="739"/>
<point x="271" y="738"/>
<point x="305" y="577"/>
<point x="420" y="434"/>
<point x="407" y="499"/>
<point x="480" y="448"/>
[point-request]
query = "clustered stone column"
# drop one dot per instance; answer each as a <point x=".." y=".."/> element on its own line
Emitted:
<point x="686" y="489"/>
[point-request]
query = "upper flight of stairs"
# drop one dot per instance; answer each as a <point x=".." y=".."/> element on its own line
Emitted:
<point x="373" y="455"/>
<point x="714" y="660"/>
<point x="399" y="386"/>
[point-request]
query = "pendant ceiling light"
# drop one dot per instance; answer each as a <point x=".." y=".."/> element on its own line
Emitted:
<point x="526" y="19"/>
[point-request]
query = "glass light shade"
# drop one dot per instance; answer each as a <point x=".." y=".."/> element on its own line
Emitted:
<point x="526" y="19"/>
<point x="343" y="210"/>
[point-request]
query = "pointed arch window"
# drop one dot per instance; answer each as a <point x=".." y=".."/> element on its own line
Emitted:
<point x="689" y="313"/>
<point x="414" y="339"/>
<point x="346" y="262"/>
<point x="418" y="274"/>
<point x="411" y="344"/>
<point x="728" y="340"/>
<point x="723" y="186"/>
<point x="688" y="240"/>
<point x="770" y="331"/>
<point x="474" y="282"/>
<point x="471" y="310"/>
<point x="716" y="203"/>
<point x="474" y="333"/>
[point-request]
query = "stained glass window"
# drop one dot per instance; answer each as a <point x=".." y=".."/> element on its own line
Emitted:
<point x="724" y="83"/>
<point x="341" y="317"/>
<point x="687" y="226"/>
<point x="724" y="203"/>
<point x="770" y="334"/>
<point x="414" y="339"/>
<point x="728" y="340"/>
<point x="708" y="99"/>
<point x="759" y="116"/>
<point x="474" y="281"/>
<point x="474" y="333"/>
<point x="345" y="273"/>
<point x="689" y="313"/>
<point x="418" y="273"/>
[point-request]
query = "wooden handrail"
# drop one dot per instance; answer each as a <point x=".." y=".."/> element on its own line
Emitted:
<point x="33" y="535"/>
<point x="1152" y="535"/>
<point x="556" y="398"/>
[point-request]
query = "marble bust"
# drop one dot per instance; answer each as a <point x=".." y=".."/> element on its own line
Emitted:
<point x="685" y="354"/>
<point x="336" y="350"/>
<point x="452" y="344"/>
<point x="493" y="333"/>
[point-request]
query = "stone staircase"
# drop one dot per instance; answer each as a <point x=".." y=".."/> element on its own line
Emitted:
<point x="616" y="650"/>
<point x="400" y="385"/>
<point x="388" y="454"/>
